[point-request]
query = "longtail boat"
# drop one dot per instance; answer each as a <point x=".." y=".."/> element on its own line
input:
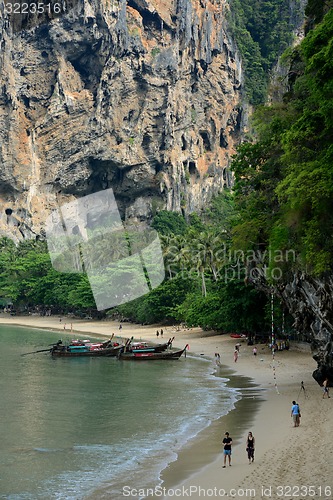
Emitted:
<point x="84" y="348"/>
<point x="150" y="356"/>
<point x="145" y="347"/>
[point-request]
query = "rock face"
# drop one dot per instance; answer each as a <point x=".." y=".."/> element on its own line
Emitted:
<point x="140" y="96"/>
<point x="310" y="301"/>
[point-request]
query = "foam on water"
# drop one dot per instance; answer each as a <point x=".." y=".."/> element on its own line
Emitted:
<point x="138" y="464"/>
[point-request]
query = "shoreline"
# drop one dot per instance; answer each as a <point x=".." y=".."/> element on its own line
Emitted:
<point x="205" y="449"/>
<point x="283" y="457"/>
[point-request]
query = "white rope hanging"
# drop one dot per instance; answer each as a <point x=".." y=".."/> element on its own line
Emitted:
<point x="273" y="344"/>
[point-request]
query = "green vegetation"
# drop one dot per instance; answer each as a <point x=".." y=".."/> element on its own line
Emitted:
<point x="134" y="31"/>
<point x="204" y="282"/>
<point x="315" y="11"/>
<point x="167" y="223"/>
<point x="284" y="181"/>
<point x="155" y="51"/>
<point x="194" y="115"/>
<point x="262" y="30"/>
<point x="28" y="279"/>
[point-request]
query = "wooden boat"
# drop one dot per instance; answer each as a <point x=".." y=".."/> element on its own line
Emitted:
<point x="150" y="356"/>
<point x="145" y="347"/>
<point x="84" y="348"/>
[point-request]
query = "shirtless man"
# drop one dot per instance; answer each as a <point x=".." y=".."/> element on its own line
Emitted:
<point x="326" y="388"/>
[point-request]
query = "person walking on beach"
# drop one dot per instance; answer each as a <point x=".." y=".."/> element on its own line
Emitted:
<point x="254" y="351"/>
<point x="250" y="442"/>
<point x="227" y="442"/>
<point x="298" y="416"/>
<point x="235" y="355"/>
<point x="295" y="413"/>
<point x="302" y="390"/>
<point x="326" y="388"/>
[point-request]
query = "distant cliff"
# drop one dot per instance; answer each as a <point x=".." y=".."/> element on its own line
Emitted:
<point x="141" y="96"/>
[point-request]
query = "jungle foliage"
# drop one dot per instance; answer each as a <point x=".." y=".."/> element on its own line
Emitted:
<point x="263" y="30"/>
<point x="204" y="282"/>
<point x="284" y="179"/>
<point x="28" y="279"/>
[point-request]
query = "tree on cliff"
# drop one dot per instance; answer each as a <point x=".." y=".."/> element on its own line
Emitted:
<point x="284" y="180"/>
<point x="263" y="29"/>
<point x="284" y="193"/>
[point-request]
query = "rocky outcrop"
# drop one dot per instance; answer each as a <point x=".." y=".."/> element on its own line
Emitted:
<point x="310" y="302"/>
<point x="140" y="96"/>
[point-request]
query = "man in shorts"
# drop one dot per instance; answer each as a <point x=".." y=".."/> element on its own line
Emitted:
<point x="295" y="413"/>
<point x="326" y="389"/>
<point x="227" y="442"/>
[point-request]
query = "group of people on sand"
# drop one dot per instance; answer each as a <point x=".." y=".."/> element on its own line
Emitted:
<point x="250" y="441"/>
<point x="227" y="444"/>
<point x="236" y="352"/>
<point x="295" y="409"/>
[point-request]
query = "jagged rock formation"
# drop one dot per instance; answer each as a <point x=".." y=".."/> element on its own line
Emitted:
<point x="310" y="302"/>
<point x="141" y="96"/>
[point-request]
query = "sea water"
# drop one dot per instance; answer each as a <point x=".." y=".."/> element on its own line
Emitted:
<point x="69" y="426"/>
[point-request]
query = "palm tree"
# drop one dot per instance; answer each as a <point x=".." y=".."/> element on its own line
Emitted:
<point x="202" y="253"/>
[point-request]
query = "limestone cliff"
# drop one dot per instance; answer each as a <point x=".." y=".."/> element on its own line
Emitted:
<point x="141" y="96"/>
<point x="309" y="300"/>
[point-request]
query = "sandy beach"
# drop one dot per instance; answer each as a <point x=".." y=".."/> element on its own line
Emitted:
<point x="289" y="462"/>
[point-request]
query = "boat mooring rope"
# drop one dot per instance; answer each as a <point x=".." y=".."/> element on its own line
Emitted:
<point x="273" y="344"/>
